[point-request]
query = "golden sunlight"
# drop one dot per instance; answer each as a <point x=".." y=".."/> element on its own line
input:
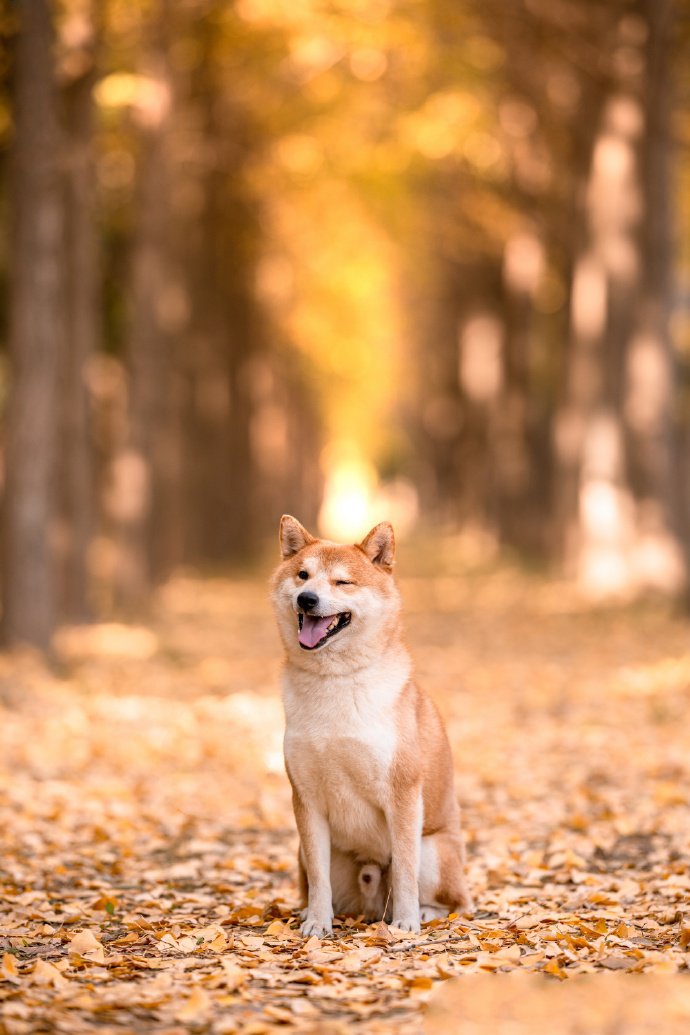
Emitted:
<point x="354" y="500"/>
<point x="346" y="511"/>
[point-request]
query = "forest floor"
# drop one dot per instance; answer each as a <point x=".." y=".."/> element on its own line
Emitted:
<point x="147" y="845"/>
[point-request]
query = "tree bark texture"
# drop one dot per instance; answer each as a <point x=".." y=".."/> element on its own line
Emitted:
<point x="35" y="339"/>
<point x="82" y="340"/>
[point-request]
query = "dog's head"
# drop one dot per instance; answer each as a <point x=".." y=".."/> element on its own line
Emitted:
<point x="335" y="601"/>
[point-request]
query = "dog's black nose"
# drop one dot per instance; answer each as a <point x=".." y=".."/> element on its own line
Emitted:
<point x="307" y="601"/>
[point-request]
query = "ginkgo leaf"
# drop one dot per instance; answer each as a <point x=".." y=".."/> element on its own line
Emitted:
<point x="45" y="973"/>
<point x="195" y="1008"/>
<point x="195" y="845"/>
<point x="553" y="968"/>
<point x="8" y="968"/>
<point x="234" y="976"/>
<point x="84" y="942"/>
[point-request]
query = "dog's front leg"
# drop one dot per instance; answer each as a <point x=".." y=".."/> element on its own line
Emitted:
<point x="405" y="826"/>
<point x="315" y="840"/>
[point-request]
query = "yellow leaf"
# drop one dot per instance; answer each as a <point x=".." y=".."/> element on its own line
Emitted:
<point x="662" y="967"/>
<point x="280" y="1014"/>
<point x="532" y="958"/>
<point x="108" y="903"/>
<point x="420" y="983"/>
<point x="96" y="955"/>
<point x="354" y="961"/>
<point x="45" y="973"/>
<point x="233" y="976"/>
<point x="8" y="968"/>
<point x="526" y="923"/>
<point x="442" y="968"/>
<point x="208" y="934"/>
<point x="83" y="942"/>
<point x="278" y="929"/>
<point x="196" y="1007"/>
<point x="383" y="934"/>
<point x="600" y="898"/>
<point x="553" y="968"/>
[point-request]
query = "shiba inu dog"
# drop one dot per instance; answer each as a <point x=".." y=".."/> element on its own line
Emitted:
<point x="366" y="751"/>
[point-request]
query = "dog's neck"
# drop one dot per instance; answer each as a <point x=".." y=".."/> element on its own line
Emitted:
<point x="388" y="663"/>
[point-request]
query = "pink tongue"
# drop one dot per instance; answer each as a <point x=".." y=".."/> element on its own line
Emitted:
<point x="313" y="629"/>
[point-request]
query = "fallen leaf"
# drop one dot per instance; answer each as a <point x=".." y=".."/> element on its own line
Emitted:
<point x="84" y="942"/>
<point x="8" y="968"/>
<point x="234" y="976"/>
<point x="45" y="973"/>
<point x="553" y="968"/>
<point x="196" y="1007"/>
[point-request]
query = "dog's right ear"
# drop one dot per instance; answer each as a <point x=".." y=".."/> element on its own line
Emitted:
<point x="293" y="536"/>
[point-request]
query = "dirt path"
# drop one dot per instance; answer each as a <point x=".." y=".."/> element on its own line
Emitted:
<point x="146" y="835"/>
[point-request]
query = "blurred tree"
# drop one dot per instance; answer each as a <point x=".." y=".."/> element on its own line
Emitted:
<point x="83" y="322"/>
<point x="146" y="468"/>
<point x="35" y="338"/>
<point x="328" y="244"/>
<point x="616" y="439"/>
<point x="549" y="232"/>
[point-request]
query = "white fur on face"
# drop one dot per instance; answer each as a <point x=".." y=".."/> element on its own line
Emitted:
<point x="372" y="613"/>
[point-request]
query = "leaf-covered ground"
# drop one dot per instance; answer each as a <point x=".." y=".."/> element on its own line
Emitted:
<point x="147" y="847"/>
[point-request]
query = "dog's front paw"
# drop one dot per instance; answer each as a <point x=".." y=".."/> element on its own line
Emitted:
<point x="407" y="921"/>
<point x="316" y="925"/>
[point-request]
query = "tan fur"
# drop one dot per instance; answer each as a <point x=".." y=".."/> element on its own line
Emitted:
<point x="366" y="751"/>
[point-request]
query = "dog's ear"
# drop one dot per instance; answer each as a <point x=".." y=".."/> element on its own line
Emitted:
<point x="379" y="546"/>
<point x="293" y="536"/>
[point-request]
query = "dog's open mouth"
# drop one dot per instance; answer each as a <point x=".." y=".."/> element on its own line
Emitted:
<point x="316" y="629"/>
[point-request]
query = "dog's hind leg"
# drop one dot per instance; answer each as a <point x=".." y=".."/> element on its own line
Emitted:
<point x="442" y="885"/>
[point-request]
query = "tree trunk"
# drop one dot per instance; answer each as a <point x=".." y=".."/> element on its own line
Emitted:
<point x="83" y="329"/>
<point x="226" y="333"/>
<point x="146" y="470"/>
<point x="614" y="436"/>
<point x="35" y="340"/>
<point x="651" y="374"/>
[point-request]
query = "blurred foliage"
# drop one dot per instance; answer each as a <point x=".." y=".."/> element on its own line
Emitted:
<point x="368" y="221"/>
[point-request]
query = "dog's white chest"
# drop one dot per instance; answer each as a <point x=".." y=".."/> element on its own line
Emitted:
<point x="339" y="748"/>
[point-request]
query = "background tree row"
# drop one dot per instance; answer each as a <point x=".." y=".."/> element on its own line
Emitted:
<point x="398" y="250"/>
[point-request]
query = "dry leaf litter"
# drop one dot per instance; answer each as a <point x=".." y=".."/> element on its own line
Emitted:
<point x="147" y="846"/>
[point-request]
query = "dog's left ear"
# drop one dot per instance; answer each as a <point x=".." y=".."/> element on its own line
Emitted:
<point x="293" y="536"/>
<point x="379" y="546"/>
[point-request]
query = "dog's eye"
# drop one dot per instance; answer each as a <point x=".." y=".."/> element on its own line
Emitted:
<point x="344" y="582"/>
<point x="302" y="574"/>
